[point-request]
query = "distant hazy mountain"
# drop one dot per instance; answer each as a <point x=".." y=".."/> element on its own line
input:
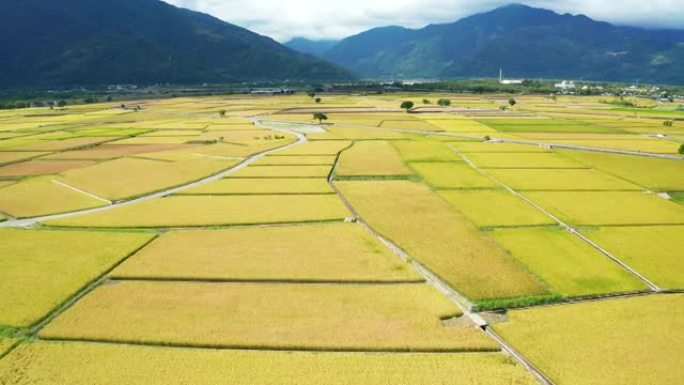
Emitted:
<point x="312" y="47"/>
<point x="524" y="41"/>
<point x="87" y="42"/>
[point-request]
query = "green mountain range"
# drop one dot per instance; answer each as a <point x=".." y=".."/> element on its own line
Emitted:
<point x="94" y="42"/>
<point x="524" y="41"/>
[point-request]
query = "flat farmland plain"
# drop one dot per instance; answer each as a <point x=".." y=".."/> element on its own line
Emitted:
<point x="430" y="253"/>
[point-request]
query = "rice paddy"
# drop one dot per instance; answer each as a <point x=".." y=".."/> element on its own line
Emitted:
<point x="621" y="341"/>
<point x="385" y="274"/>
<point x="330" y="252"/>
<point x="41" y="269"/>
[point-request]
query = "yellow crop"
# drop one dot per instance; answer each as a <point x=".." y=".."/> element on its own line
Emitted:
<point x="315" y="316"/>
<point x="371" y="158"/>
<point x="41" y="269"/>
<point x="238" y="186"/>
<point x="329" y="252"/>
<point x="430" y="231"/>
<point x="493" y="208"/>
<point x="657" y="174"/>
<point x="312" y="160"/>
<point x="283" y="172"/>
<point x="522" y="160"/>
<point x="572" y="180"/>
<point x="654" y="251"/>
<point x="126" y="178"/>
<point x="423" y="151"/>
<point x="54" y="363"/>
<point x="180" y="211"/>
<point x="623" y="341"/>
<point x="570" y="266"/>
<point x="42" y="196"/>
<point x="452" y="175"/>
<point x="609" y="208"/>
<point x="319" y="147"/>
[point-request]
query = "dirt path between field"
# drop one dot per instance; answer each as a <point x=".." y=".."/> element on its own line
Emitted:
<point x="492" y="139"/>
<point x="458" y="299"/>
<point x="559" y="221"/>
<point x="301" y="139"/>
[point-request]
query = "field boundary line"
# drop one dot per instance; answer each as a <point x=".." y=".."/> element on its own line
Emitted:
<point x="83" y="291"/>
<point x="74" y="188"/>
<point x="265" y="281"/>
<point x="28" y="222"/>
<point x="560" y="222"/>
<point x="433" y="280"/>
<point x="518" y="141"/>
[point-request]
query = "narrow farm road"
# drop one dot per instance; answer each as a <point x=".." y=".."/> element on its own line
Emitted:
<point x="28" y="222"/>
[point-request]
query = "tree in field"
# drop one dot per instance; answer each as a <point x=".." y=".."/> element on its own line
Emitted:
<point x="311" y="94"/>
<point x="61" y="103"/>
<point x="681" y="149"/>
<point x="512" y="102"/>
<point x="444" y="102"/>
<point x="427" y="101"/>
<point x="407" y="105"/>
<point x="222" y="113"/>
<point x="320" y="117"/>
<point x="318" y="100"/>
<point x="668" y="123"/>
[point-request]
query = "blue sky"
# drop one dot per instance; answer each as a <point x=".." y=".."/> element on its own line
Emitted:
<point x="333" y="19"/>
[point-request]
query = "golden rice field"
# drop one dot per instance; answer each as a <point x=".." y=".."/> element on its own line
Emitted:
<point x="274" y="275"/>
<point x="329" y="252"/>
<point x="43" y="196"/>
<point x="654" y="251"/>
<point x="197" y="211"/>
<point x="409" y="214"/>
<point x="88" y="363"/>
<point x="354" y="317"/>
<point x="283" y="172"/>
<point x="275" y="186"/>
<point x="41" y="269"/>
<point x="451" y="175"/>
<point x="495" y="208"/>
<point x="562" y="180"/>
<point x="621" y="341"/>
<point x="371" y="158"/>
<point x="609" y="208"/>
<point x="568" y="265"/>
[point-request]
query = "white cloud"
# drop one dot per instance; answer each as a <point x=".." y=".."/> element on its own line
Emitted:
<point x="319" y="19"/>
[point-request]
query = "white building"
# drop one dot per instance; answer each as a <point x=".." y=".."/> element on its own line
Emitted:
<point x="566" y="85"/>
<point x="509" y="81"/>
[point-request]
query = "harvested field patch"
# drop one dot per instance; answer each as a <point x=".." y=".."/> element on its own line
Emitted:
<point x="371" y="158"/>
<point x="193" y="211"/>
<point x="11" y="157"/>
<point x="654" y="251"/>
<point x="622" y="341"/>
<point x="569" y="265"/>
<point x="443" y="175"/>
<point x="41" y="196"/>
<point x="609" y="208"/>
<point x="84" y="364"/>
<point x="356" y="317"/>
<point x="42" y="167"/>
<point x="495" y="208"/>
<point x="63" y="145"/>
<point x="41" y="269"/>
<point x="430" y="231"/>
<point x="563" y="179"/>
<point x="245" y="186"/>
<point x="330" y="252"/>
